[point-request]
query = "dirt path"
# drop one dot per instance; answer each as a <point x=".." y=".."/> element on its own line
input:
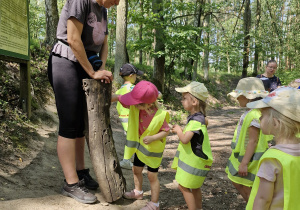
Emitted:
<point x="33" y="180"/>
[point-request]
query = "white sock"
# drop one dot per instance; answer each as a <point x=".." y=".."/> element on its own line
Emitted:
<point x="140" y="192"/>
<point x="156" y="204"/>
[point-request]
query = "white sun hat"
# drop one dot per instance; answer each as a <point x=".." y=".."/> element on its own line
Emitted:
<point x="197" y="89"/>
<point x="250" y="87"/>
<point x="285" y="100"/>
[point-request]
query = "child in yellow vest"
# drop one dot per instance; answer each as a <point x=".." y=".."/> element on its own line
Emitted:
<point x="129" y="73"/>
<point x="276" y="185"/>
<point x="248" y="143"/>
<point x="193" y="158"/>
<point x="146" y="138"/>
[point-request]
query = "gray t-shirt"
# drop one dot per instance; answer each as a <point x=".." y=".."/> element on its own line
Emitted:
<point x="94" y="20"/>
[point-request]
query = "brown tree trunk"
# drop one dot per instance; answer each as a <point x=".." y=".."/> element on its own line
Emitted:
<point x="100" y="142"/>
<point x="141" y="33"/>
<point x="247" y="23"/>
<point x="257" y="45"/>
<point x="121" y="56"/>
<point x="159" y="46"/>
<point x="51" y="21"/>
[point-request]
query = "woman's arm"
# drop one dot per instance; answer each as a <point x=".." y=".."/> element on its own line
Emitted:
<point x="184" y="138"/>
<point x="74" y="31"/>
<point x="103" y="53"/>
<point x="253" y="139"/>
<point x="264" y="195"/>
<point x="158" y="136"/>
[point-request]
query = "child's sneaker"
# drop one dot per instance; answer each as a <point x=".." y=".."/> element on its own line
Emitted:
<point x="127" y="164"/>
<point x="150" y="206"/>
<point x="89" y="182"/>
<point x="79" y="192"/>
<point x="134" y="194"/>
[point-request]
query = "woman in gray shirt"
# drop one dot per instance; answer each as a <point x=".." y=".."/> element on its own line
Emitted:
<point x="81" y="32"/>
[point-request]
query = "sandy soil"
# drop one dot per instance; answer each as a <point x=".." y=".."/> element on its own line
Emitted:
<point x="33" y="180"/>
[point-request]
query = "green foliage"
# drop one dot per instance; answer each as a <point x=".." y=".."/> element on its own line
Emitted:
<point x="287" y="77"/>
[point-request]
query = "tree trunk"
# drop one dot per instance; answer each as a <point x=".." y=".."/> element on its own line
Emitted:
<point x="228" y="62"/>
<point x="257" y="45"/>
<point x="100" y="142"/>
<point x="51" y="21"/>
<point x="121" y="56"/>
<point x="159" y="47"/>
<point x="141" y="33"/>
<point x="247" y="23"/>
<point x="205" y="65"/>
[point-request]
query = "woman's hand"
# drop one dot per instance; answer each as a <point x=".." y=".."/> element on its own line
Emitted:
<point x="148" y="139"/>
<point x="103" y="75"/>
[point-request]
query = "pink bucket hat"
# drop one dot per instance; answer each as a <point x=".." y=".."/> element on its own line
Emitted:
<point x="143" y="92"/>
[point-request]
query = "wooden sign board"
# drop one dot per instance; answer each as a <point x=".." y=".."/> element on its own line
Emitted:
<point x="14" y="43"/>
<point x="14" y="29"/>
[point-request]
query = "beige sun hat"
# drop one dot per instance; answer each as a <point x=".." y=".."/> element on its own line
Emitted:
<point x="250" y="87"/>
<point x="197" y="89"/>
<point x="285" y="100"/>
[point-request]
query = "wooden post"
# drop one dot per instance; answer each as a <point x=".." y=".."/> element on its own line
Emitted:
<point x="100" y="142"/>
<point x="25" y="93"/>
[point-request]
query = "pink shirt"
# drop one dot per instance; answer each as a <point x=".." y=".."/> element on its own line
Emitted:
<point x="271" y="170"/>
<point x="145" y="119"/>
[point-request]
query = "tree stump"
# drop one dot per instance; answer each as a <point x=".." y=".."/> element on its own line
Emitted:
<point x="100" y="140"/>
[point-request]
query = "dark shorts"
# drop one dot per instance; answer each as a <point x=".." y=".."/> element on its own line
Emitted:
<point x="137" y="162"/>
<point x="66" y="77"/>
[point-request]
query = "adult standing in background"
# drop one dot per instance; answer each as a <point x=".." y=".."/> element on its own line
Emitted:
<point x="81" y="33"/>
<point x="270" y="74"/>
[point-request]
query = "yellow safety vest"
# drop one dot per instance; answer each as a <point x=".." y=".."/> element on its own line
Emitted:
<point x="238" y="152"/>
<point x="291" y="179"/>
<point x="123" y="112"/>
<point x="150" y="154"/>
<point x="191" y="169"/>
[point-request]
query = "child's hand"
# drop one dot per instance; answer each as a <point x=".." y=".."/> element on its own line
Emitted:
<point x="243" y="169"/>
<point x="148" y="139"/>
<point x="176" y="128"/>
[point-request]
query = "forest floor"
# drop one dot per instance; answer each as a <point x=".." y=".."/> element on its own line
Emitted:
<point x="33" y="179"/>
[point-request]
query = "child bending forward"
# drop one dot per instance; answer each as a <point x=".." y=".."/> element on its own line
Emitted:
<point x="146" y="138"/>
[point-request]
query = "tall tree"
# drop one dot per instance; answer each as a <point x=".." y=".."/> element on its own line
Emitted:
<point x="205" y="64"/>
<point x="121" y="56"/>
<point x="141" y="33"/>
<point x="159" y="46"/>
<point x="247" y="24"/>
<point x="257" y="44"/>
<point x="51" y="21"/>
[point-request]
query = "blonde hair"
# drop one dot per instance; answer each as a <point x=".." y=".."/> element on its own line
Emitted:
<point x="201" y="106"/>
<point x="288" y="128"/>
<point x="155" y="104"/>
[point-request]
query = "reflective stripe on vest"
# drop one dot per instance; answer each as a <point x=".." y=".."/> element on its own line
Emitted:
<point x="234" y="172"/>
<point x="238" y="151"/>
<point x="150" y="154"/>
<point x="291" y="176"/>
<point x="191" y="169"/>
<point x="134" y="144"/>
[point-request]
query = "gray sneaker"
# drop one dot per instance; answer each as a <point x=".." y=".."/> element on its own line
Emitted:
<point x="79" y="192"/>
<point x="127" y="164"/>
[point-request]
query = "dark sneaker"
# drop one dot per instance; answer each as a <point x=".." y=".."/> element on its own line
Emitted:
<point x="79" y="192"/>
<point x="90" y="183"/>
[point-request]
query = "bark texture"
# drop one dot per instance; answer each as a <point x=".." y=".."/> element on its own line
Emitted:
<point x="100" y="141"/>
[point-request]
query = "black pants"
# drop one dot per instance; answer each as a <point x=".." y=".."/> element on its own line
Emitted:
<point x="66" y="77"/>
